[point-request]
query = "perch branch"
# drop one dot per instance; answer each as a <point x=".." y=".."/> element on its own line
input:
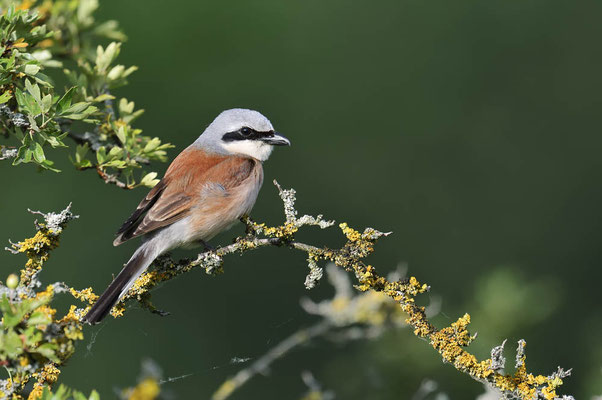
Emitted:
<point x="450" y="342"/>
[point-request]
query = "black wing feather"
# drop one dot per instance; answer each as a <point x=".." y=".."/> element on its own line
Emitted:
<point x="129" y="226"/>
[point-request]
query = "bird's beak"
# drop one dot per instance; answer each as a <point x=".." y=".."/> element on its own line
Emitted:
<point x="276" y="140"/>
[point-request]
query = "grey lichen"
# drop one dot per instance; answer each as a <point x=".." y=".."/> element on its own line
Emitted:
<point x="315" y="273"/>
<point x="498" y="361"/>
<point x="6" y="153"/>
<point x="55" y="222"/>
<point x="289" y="198"/>
<point x="520" y="354"/>
<point x="13" y="118"/>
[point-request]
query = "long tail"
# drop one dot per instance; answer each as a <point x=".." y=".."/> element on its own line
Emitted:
<point x="139" y="262"/>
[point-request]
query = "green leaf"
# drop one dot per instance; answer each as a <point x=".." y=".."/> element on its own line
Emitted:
<point x="110" y="30"/>
<point x="94" y="395"/>
<point x="65" y="102"/>
<point x="126" y="107"/>
<point x="149" y="180"/>
<point x="12" y="345"/>
<point x="47" y="164"/>
<point x="12" y="314"/>
<point x="43" y="80"/>
<point x="79" y="115"/>
<point x="31" y="304"/>
<point x="81" y="151"/>
<point x="104" y="97"/>
<point x="39" y="318"/>
<point x="48" y="350"/>
<point x="46" y="394"/>
<point x="5" y="306"/>
<point x="32" y="336"/>
<point x="4" y="97"/>
<point x="121" y="134"/>
<point x="152" y="145"/>
<point x="76" y="108"/>
<point x="115" y="164"/>
<point x="27" y="103"/>
<point x="85" y="9"/>
<point x="38" y="152"/>
<point x="101" y="155"/>
<point x="24" y="155"/>
<point x="78" y="396"/>
<point x="115" y="152"/>
<point x="31" y="69"/>
<point x="116" y="72"/>
<point x="104" y="57"/>
<point x="46" y="103"/>
<point x="62" y="393"/>
<point x="57" y="141"/>
<point x="34" y="90"/>
<point x="80" y="156"/>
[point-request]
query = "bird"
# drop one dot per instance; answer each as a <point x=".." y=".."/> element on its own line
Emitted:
<point x="208" y="187"/>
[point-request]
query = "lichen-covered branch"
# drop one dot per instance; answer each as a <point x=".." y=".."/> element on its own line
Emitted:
<point x="34" y="340"/>
<point x="6" y="153"/>
<point x="450" y="342"/>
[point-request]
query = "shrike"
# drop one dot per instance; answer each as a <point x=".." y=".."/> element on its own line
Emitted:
<point x="208" y="186"/>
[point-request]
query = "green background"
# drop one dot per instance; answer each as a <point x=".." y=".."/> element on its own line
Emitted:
<point x="471" y="129"/>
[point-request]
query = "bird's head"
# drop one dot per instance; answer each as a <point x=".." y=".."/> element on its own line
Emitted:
<point x="241" y="131"/>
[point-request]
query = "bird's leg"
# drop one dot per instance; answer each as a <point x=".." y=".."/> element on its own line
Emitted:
<point x="206" y="246"/>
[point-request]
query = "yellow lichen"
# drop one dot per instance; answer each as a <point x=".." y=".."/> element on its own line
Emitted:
<point x="36" y="393"/>
<point x="71" y="316"/>
<point x="86" y="295"/>
<point x="351" y="233"/>
<point x="47" y="376"/>
<point x="118" y="310"/>
<point x="284" y="231"/>
<point x="37" y="250"/>
<point x="148" y="389"/>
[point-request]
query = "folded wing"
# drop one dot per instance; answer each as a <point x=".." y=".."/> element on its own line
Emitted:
<point x="180" y="190"/>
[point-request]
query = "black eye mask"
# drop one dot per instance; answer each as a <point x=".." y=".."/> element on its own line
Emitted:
<point x="246" y="133"/>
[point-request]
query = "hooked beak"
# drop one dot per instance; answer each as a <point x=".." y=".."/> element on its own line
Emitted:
<point x="276" y="139"/>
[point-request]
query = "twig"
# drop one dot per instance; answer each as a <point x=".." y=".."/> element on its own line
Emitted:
<point x="262" y="364"/>
<point x="112" y="179"/>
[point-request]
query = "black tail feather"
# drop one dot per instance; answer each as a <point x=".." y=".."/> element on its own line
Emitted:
<point x="111" y="295"/>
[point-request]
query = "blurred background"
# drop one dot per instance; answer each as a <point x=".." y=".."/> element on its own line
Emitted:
<point x="470" y="129"/>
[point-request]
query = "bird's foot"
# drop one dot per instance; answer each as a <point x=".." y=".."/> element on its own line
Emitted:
<point x="206" y="246"/>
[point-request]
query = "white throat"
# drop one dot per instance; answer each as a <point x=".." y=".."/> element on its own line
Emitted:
<point x="251" y="148"/>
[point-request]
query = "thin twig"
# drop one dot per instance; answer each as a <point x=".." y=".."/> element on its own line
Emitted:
<point x="263" y="363"/>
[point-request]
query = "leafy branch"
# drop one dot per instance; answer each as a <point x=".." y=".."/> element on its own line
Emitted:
<point x="45" y="42"/>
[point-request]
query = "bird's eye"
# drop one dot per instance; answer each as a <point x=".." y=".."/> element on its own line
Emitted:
<point x="245" y="131"/>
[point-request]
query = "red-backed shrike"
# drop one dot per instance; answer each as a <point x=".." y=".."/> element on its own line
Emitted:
<point x="209" y="186"/>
